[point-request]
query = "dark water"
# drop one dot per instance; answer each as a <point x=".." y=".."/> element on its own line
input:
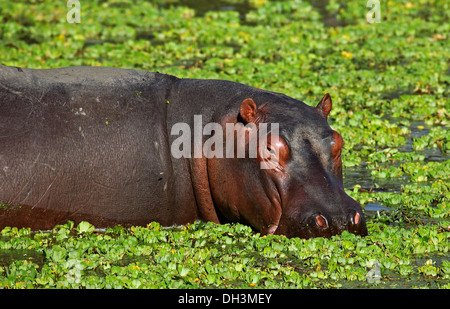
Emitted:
<point x="9" y="255"/>
<point x="361" y="175"/>
<point x="201" y="7"/>
<point x="328" y="19"/>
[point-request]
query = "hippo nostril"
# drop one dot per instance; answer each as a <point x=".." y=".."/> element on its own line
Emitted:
<point x="354" y="219"/>
<point x="321" y="221"/>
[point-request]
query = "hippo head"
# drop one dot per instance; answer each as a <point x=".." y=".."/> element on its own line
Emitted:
<point x="301" y="193"/>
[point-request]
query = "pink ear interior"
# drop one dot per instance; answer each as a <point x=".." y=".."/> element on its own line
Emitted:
<point x="248" y="110"/>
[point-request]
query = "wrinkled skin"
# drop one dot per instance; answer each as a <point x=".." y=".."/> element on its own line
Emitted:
<point x="95" y="144"/>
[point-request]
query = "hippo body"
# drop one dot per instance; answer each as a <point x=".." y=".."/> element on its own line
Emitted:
<point x="94" y="144"/>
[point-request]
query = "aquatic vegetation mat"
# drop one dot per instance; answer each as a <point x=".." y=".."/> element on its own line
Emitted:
<point x="206" y="255"/>
<point x="389" y="82"/>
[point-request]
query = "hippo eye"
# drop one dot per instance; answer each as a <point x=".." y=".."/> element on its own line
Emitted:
<point x="271" y="151"/>
<point x="274" y="154"/>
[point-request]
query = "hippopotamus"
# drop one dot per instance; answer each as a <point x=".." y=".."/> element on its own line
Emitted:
<point x="97" y="144"/>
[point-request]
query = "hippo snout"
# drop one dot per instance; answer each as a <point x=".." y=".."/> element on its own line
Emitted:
<point x="353" y="222"/>
<point x="323" y="223"/>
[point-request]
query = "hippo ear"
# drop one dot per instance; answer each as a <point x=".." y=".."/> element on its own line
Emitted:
<point x="248" y="110"/>
<point x="324" y="106"/>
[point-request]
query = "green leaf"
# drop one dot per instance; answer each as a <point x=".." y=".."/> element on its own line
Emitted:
<point x="184" y="271"/>
<point x="85" y="227"/>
